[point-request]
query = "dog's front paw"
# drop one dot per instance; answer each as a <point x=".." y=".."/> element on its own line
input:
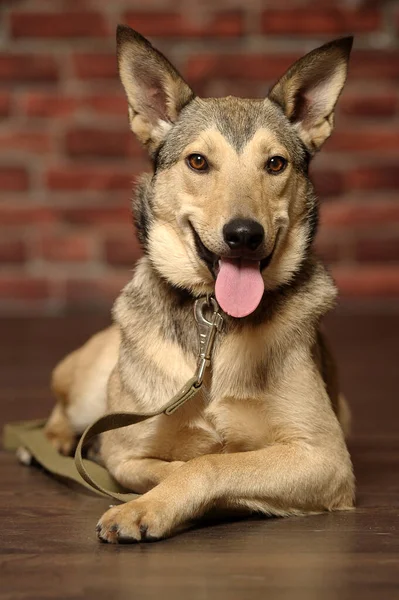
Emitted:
<point x="136" y="521"/>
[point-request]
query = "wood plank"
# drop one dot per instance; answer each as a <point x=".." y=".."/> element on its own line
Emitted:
<point x="48" y="546"/>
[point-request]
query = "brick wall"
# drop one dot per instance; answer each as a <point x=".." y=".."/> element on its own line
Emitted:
<point x="67" y="159"/>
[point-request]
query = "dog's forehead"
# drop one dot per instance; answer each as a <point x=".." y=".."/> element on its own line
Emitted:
<point x="236" y="119"/>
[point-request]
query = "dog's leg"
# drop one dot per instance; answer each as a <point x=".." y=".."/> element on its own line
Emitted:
<point x="79" y="384"/>
<point x="281" y="479"/>
<point x="59" y="431"/>
<point x="307" y="469"/>
<point x="142" y="474"/>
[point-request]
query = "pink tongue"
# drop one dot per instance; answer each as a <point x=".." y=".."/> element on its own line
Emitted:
<point x="239" y="286"/>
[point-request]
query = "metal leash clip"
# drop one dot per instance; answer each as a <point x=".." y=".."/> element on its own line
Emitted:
<point x="207" y="329"/>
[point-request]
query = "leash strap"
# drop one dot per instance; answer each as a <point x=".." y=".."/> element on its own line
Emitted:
<point x="118" y="420"/>
<point x="28" y="440"/>
<point x="207" y="330"/>
<point x="30" y="435"/>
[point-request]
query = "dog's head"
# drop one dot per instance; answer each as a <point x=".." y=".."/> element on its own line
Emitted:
<point x="230" y="200"/>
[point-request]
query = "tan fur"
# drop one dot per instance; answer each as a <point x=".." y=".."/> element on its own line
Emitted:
<point x="293" y="425"/>
<point x="266" y="431"/>
<point x="194" y="202"/>
<point x="79" y="383"/>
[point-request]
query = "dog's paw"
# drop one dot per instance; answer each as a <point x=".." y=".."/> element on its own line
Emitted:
<point x="61" y="436"/>
<point x="136" y="521"/>
<point x="24" y="456"/>
<point x="64" y="444"/>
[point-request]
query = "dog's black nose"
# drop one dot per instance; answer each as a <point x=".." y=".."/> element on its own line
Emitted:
<point x="240" y="234"/>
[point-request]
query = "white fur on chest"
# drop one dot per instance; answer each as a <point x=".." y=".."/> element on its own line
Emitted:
<point x="239" y="365"/>
<point x="238" y="407"/>
<point x="241" y="425"/>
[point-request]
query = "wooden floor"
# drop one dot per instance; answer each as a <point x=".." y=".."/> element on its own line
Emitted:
<point x="48" y="547"/>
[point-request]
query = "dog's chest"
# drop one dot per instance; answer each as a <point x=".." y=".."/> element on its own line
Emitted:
<point x="232" y="414"/>
<point x="241" y="425"/>
<point x="237" y="408"/>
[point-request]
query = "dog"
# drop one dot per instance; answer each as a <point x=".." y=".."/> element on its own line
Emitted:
<point x="229" y="211"/>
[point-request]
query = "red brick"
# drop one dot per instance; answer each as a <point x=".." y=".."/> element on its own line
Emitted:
<point x="28" y="67"/>
<point x="23" y="287"/>
<point x="367" y="281"/>
<point x="327" y="183"/>
<point x="58" y="25"/>
<point x="219" y="88"/>
<point x="65" y="247"/>
<point x="50" y="5"/>
<point x="171" y="24"/>
<point x="26" y="141"/>
<point x="13" y="179"/>
<point x="95" y="66"/>
<point x="255" y="67"/>
<point x="378" y="249"/>
<point x="364" y="140"/>
<point x="115" y="104"/>
<point x="374" y="64"/>
<point x="365" y="64"/>
<point x="319" y="21"/>
<point x="48" y="104"/>
<point x="342" y="215"/>
<point x="379" y="177"/>
<point x="327" y="248"/>
<point x="96" y="292"/>
<point x="5" y="104"/>
<point x="88" y="178"/>
<point x="12" y="251"/>
<point x="122" y="250"/>
<point x="366" y="105"/>
<point x="97" y="215"/>
<point x="25" y="215"/>
<point x="88" y="141"/>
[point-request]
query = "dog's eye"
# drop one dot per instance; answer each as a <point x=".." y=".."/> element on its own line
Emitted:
<point x="276" y="164"/>
<point x="197" y="162"/>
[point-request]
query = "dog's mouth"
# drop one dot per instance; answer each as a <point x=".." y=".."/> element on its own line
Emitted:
<point x="239" y="284"/>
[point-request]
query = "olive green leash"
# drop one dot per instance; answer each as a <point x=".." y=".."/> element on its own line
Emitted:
<point x="30" y="435"/>
<point x="28" y="440"/>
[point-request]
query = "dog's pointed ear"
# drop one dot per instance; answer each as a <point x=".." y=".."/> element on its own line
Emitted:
<point x="155" y="91"/>
<point x="309" y="90"/>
